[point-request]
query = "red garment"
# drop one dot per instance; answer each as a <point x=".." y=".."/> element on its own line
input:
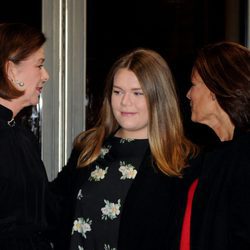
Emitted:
<point x="185" y="233"/>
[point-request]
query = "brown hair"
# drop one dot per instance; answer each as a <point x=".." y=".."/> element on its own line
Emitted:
<point x="169" y="147"/>
<point x="225" y="69"/>
<point x="17" y="42"/>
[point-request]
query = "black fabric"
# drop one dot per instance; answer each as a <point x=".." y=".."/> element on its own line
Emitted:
<point x="120" y="160"/>
<point x="150" y="218"/>
<point x="23" y="189"/>
<point x="221" y="205"/>
<point x="66" y="186"/>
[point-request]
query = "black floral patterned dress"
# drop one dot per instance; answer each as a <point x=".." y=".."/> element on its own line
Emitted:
<point x="100" y="199"/>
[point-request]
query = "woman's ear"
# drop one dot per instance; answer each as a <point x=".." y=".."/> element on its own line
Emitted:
<point x="213" y="96"/>
<point x="10" y="71"/>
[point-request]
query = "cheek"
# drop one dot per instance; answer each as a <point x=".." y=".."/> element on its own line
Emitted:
<point x="143" y="106"/>
<point x="192" y="92"/>
<point x="195" y="96"/>
<point x="114" y="103"/>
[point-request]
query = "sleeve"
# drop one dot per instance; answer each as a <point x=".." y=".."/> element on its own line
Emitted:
<point x="61" y="203"/>
<point x="60" y="190"/>
<point x="62" y="184"/>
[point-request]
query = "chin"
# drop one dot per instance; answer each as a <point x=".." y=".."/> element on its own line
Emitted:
<point x="194" y="119"/>
<point x="34" y="101"/>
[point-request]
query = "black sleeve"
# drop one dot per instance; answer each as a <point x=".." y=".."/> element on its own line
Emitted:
<point x="61" y="203"/>
<point x="62" y="184"/>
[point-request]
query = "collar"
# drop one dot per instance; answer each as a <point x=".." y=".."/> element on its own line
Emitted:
<point x="6" y="115"/>
<point x="238" y="133"/>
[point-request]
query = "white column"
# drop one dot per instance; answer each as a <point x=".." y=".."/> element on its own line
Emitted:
<point x="63" y="100"/>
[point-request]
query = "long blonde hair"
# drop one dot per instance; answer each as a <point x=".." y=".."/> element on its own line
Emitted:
<point x="169" y="147"/>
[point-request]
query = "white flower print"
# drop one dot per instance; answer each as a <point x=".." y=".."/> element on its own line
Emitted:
<point x="98" y="174"/>
<point x="123" y="140"/>
<point x="111" y="210"/>
<point x="128" y="171"/>
<point x="108" y="247"/>
<point x="82" y="226"/>
<point x="104" y="151"/>
<point x="80" y="248"/>
<point x="79" y="195"/>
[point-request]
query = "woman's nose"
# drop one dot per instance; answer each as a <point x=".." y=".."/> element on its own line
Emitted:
<point x="45" y="75"/>
<point x="126" y="99"/>
<point x="188" y="94"/>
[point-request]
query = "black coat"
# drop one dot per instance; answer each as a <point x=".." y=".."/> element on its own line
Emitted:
<point x="221" y="205"/>
<point x="149" y="218"/>
<point x="23" y="189"/>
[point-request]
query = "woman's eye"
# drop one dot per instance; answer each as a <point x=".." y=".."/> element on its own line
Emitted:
<point x="116" y="92"/>
<point x="138" y="93"/>
<point x="40" y="66"/>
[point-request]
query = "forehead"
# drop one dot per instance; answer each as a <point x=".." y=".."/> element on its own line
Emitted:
<point x="37" y="56"/>
<point x="126" y="78"/>
<point x="195" y="77"/>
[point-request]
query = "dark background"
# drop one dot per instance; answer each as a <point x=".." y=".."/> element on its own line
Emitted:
<point x="27" y="11"/>
<point x="174" y="28"/>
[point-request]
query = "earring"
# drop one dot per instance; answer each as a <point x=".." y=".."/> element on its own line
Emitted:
<point x="213" y="97"/>
<point x="21" y="84"/>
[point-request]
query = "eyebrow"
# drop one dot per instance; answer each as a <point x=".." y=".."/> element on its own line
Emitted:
<point x="41" y="60"/>
<point x="114" y="86"/>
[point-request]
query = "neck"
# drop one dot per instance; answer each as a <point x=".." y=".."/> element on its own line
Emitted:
<point x="224" y="133"/>
<point x="222" y="126"/>
<point x="12" y="105"/>
<point x="131" y="134"/>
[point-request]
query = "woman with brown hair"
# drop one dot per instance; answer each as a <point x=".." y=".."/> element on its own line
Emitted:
<point x="23" y="180"/>
<point x="128" y="166"/>
<point x="220" y="98"/>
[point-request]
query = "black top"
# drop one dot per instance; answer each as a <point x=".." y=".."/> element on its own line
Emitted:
<point x="100" y="199"/>
<point x="221" y="204"/>
<point x="23" y="188"/>
<point x="149" y="218"/>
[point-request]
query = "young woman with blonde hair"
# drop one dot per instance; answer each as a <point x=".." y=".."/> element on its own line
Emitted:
<point x="127" y="167"/>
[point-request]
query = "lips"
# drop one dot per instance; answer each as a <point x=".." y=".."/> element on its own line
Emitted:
<point x="39" y="89"/>
<point x="127" y="113"/>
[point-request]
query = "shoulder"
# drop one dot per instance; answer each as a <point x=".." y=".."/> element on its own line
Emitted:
<point x="242" y="155"/>
<point x="240" y="148"/>
<point x="9" y="141"/>
<point x="194" y="167"/>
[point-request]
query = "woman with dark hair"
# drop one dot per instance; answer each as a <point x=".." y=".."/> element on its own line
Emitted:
<point x="220" y="98"/>
<point x="23" y="180"/>
<point x="128" y="166"/>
